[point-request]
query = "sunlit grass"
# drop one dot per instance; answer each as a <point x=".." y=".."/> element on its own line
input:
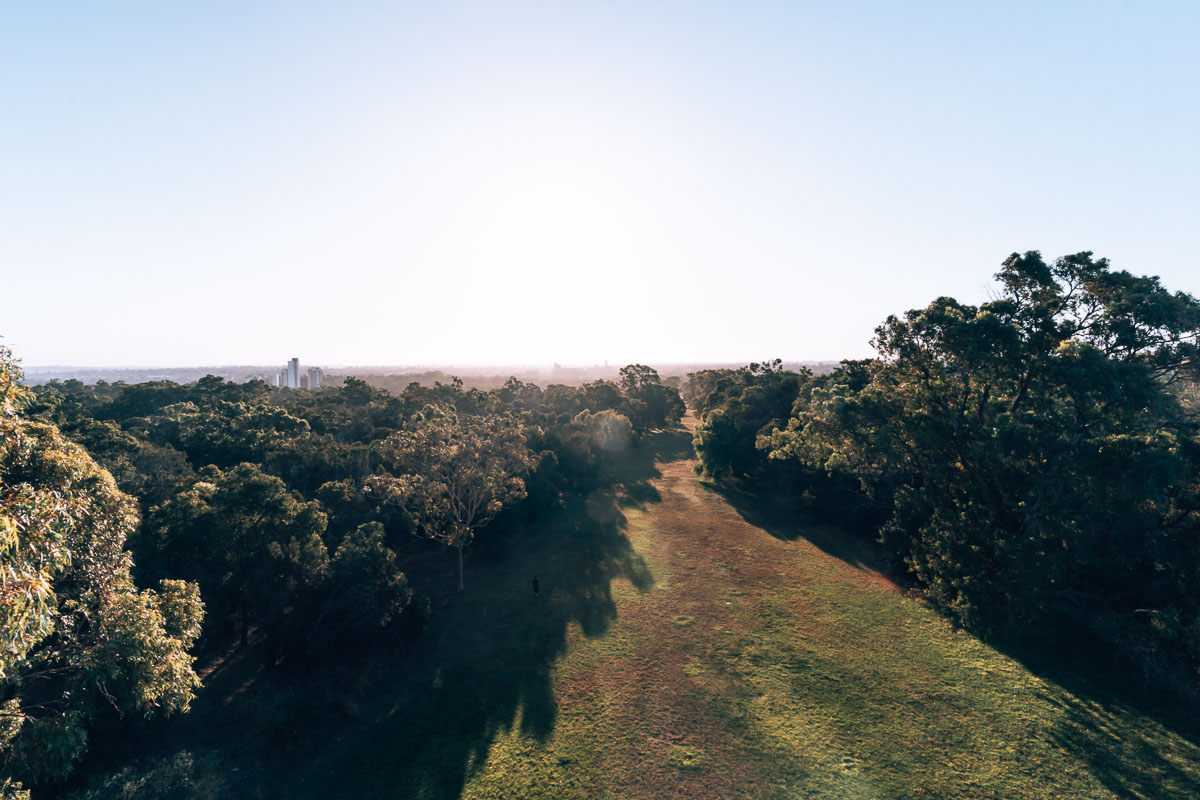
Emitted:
<point x="804" y="676"/>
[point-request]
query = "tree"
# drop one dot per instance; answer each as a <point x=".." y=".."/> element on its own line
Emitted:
<point x="635" y="377"/>
<point x="601" y="395"/>
<point x="358" y="392"/>
<point x="1030" y="450"/>
<point x="224" y="433"/>
<point x="520" y="396"/>
<point x="252" y="546"/>
<point x="736" y="406"/>
<point x="77" y="638"/>
<point x="609" y="431"/>
<point x="648" y="402"/>
<point x="365" y="590"/>
<point x="451" y="474"/>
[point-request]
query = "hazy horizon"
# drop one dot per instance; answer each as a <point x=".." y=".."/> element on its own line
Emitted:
<point x="521" y="183"/>
<point x="410" y="367"/>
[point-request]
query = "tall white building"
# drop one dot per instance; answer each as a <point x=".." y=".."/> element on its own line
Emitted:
<point x="290" y="376"/>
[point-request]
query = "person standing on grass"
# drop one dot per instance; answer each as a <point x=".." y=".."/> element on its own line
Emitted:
<point x="535" y="585"/>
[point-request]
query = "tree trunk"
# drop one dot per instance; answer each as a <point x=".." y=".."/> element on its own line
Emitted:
<point x="460" y="565"/>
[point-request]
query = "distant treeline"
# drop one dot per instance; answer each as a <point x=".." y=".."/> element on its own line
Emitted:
<point x="236" y="513"/>
<point x="1032" y="459"/>
<point x="398" y="382"/>
<point x="671" y="375"/>
<point x="392" y="378"/>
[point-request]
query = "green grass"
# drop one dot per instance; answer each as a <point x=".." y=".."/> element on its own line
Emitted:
<point x="691" y="642"/>
<point x="686" y="758"/>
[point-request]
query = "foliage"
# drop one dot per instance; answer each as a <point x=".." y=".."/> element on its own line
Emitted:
<point x="452" y="474"/>
<point x="608" y="431"/>
<point x="1032" y="452"/>
<point x="180" y="775"/>
<point x="734" y="406"/>
<point x="77" y="638"/>
<point x="365" y="590"/>
<point x="252" y="546"/>
<point x="293" y="513"/>
<point x="804" y="674"/>
<point x="649" y="403"/>
<point x="223" y="433"/>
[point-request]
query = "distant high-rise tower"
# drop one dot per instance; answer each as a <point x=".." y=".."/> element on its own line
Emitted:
<point x="314" y="377"/>
<point x="292" y="372"/>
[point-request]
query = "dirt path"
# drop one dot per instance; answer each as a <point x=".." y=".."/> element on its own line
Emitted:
<point x="643" y="707"/>
<point x="717" y="577"/>
<point x="761" y="658"/>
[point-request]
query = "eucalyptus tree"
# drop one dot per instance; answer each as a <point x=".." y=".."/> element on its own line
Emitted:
<point x="736" y="406"/>
<point x="451" y="473"/>
<point x="254" y="547"/>
<point x="650" y="403"/>
<point x="77" y="637"/>
<point x="1031" y="450"/>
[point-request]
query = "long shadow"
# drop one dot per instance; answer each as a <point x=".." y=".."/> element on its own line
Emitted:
<point x="785" y="520"/>
<point x="485" y="667"/>
<point x="418" y="721"/>
<point x="1101" y="700"/>
<point x="670" y="444"/>
<point x="1095" y="688"/>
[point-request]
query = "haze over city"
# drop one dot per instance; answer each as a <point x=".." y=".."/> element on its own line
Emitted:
<point x="522" y="183"/>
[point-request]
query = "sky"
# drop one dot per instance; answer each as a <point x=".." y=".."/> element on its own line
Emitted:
<point x="525" y="183"/>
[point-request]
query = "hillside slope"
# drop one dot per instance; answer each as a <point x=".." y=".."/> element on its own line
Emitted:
<point x="716" y="657"/>
<point x="687" y="642"/>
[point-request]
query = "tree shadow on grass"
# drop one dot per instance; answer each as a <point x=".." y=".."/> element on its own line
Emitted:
<point x="485" y="667"/>
<point x="633" y="471"/>
<point x="783" y="518"/>
<point x="418" y="720"/>
<point x="1131" y="762"/>
<point x="1139" y="741"/>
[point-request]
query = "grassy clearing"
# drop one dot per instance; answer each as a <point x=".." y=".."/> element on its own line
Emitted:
<point x="689" y="643"/>
<point x="786" y="667"/>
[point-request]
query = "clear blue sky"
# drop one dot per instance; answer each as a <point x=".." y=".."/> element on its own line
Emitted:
<point x="493" y="182"/>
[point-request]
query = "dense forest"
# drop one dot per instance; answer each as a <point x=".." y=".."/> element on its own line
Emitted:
<point x="286" y="517"/>
<point x="1027" y="462"/>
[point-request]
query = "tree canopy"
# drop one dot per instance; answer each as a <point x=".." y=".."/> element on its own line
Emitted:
<point x="77" y="638"/>
<point x="295" y="515"/>
<point x="1031" y="454"/>
<point x="452" y="474"/>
